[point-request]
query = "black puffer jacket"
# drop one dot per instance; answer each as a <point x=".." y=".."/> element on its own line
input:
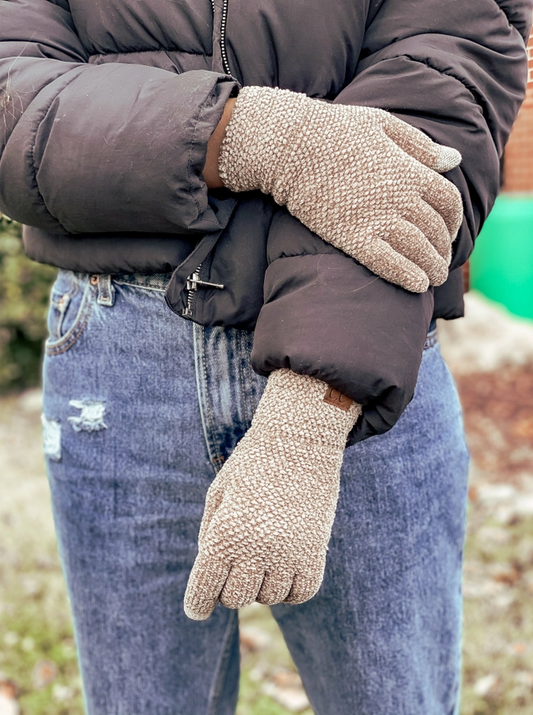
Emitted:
<point x="107" y="109"/>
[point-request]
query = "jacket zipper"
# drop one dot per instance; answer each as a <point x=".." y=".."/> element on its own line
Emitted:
<point x="193" y="281"/>
<point x="223" y="23"/>
<point x="191" y="286"/>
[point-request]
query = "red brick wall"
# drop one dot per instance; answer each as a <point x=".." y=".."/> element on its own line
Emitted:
<point x="518" y="162"/>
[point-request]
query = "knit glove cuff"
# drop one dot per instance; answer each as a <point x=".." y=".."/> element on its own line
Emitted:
<point x="300" y="409"/>
<point x="261" y="138"/>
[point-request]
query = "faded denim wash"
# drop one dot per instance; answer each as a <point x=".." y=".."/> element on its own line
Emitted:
<point x="140" y="409"/>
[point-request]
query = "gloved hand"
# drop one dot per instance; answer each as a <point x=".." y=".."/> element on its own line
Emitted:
<point x="362" y="179"/>
<point x="269" y="511"/>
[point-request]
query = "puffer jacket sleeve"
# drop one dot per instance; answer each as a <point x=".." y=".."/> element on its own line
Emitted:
<point x="99" y="148"/>
<point x="456" y="70"/>
<point x="328" y="316"/>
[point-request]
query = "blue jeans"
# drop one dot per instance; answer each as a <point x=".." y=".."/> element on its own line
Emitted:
<point x="141" y="408"/>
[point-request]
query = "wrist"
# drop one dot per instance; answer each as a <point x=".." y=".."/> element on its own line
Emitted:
<point x="211" y="174"/>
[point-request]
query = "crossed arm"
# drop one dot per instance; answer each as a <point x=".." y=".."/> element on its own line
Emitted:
<point x="270" y="510"/>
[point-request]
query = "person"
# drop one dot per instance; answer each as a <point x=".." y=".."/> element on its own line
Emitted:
<point x="291" y="179"/>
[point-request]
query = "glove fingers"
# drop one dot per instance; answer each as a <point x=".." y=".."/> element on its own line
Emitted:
<point x="384" y="261"/>
<point x="445" y="198"/>
<point x="304" y="587"/>
<point x="275" y="588"/>
<point x="420" y="146"/>
<point x="412" y="244"/>
<point x="206" y="580"/>
<point x="242" y="586"/>
<point x="432" y="225"/>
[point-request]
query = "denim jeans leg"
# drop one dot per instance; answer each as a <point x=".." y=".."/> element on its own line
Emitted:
<point x="383" y="635"/>
<point x="129" y="469"/>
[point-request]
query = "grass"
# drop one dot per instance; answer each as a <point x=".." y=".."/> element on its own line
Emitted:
<point x="498" y="638"/>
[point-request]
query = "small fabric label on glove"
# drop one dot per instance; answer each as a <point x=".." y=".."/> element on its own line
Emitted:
<point x="336" y="398"/>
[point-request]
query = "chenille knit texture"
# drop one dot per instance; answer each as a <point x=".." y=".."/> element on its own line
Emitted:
<point x="362" y="179"/>
<point x="367" y="183"/>
<point x="269" y="512"/>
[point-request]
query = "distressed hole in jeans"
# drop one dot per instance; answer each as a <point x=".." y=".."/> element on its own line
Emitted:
<point x="51" y="438"/>
<point x="91" y="417"/>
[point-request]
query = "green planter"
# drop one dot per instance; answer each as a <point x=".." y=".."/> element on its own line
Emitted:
<point x="501" y="266"/>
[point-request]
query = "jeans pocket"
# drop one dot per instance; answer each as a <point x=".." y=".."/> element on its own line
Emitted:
<point x="70" y="307"/>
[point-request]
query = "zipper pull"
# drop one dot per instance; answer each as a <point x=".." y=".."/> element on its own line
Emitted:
<point x="191" y="286"/>
<point x="193" y="281"/>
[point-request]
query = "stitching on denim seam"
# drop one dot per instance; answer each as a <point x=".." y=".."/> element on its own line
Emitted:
<point x="200" y="391"/>
<point x="138" y="286"/>
<point x="76" y="331"/>
<point x="214" y="442"/>
<point x="241" y="376"/>
<point x="214" y="692"/>
<point x="250" y="375"/>
<point x="72" y="340"/>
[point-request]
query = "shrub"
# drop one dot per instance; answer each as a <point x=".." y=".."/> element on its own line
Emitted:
<point x="24" y="291"/>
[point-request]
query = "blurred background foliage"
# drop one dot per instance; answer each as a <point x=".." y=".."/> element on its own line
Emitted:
<point x="24" y="291"/>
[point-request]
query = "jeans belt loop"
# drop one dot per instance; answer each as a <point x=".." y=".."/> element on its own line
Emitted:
<point x="106" y="292"/>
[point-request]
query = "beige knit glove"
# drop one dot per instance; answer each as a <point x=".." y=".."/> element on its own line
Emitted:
<point x="269" y="511"/>
<point x="362" y="179"/>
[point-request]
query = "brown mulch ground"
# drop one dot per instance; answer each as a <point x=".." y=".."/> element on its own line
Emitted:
<point x="498" y="414"/>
